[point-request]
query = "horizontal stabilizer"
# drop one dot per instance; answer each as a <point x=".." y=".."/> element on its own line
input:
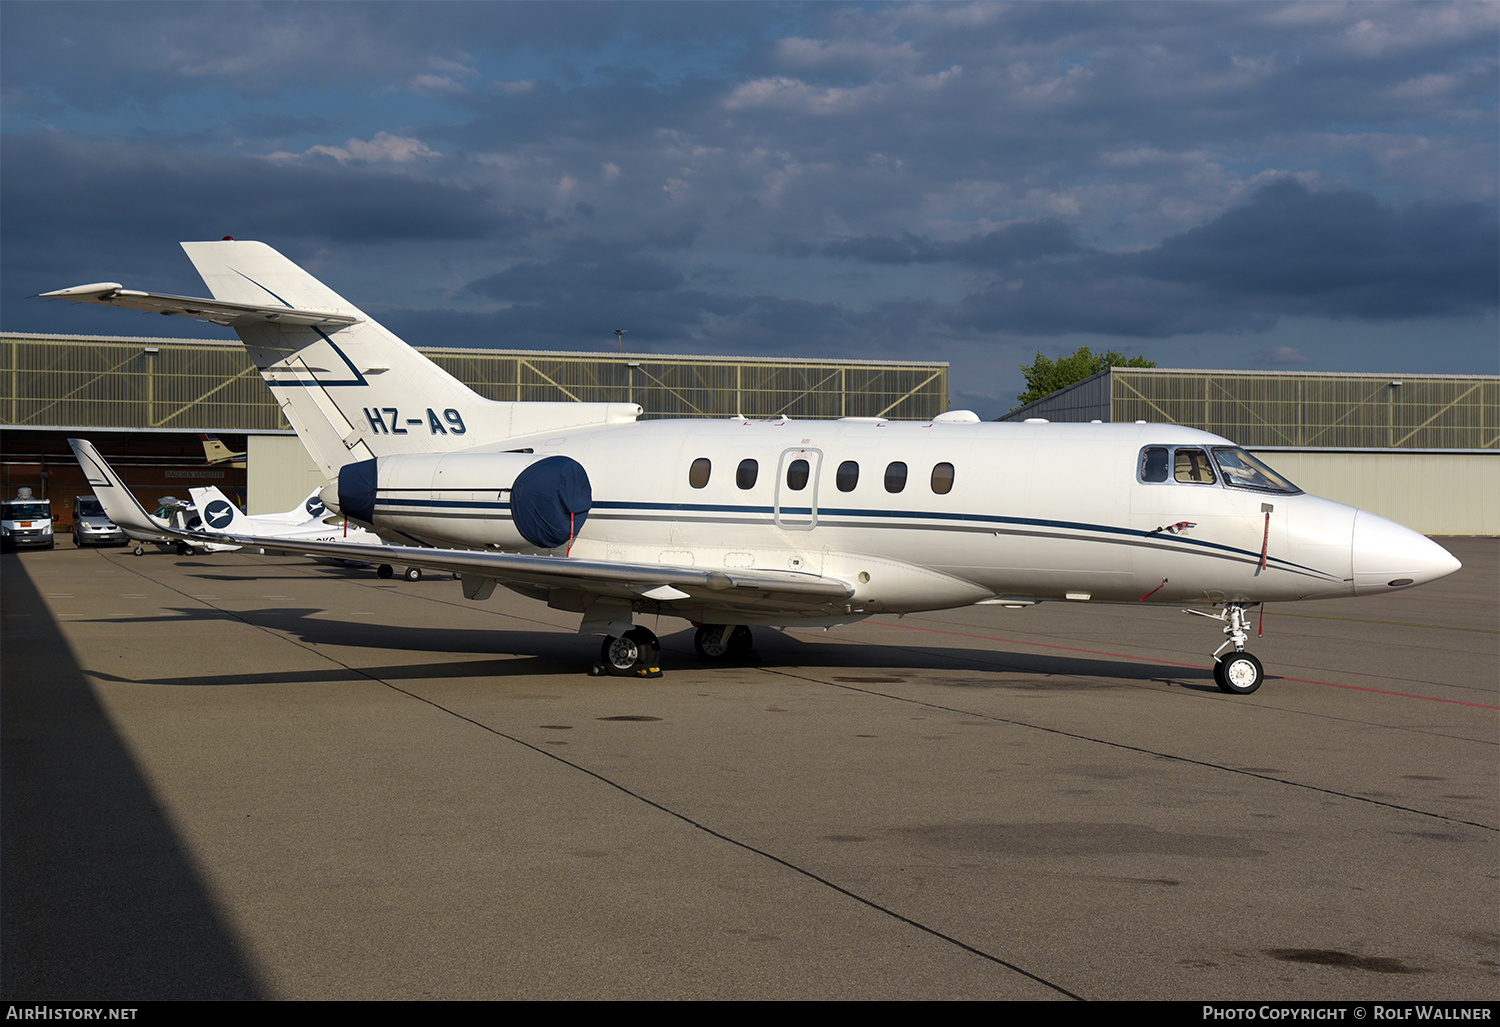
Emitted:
<point x="222" y="312"/>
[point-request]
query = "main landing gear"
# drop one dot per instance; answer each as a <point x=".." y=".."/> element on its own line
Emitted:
<point x="718" y="642"/>
<point x="1239" y="673"/>
<point x="385" y="570"/>
<point x="635" y="654"/>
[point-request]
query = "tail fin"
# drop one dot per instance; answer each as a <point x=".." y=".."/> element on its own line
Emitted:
<point x="118" y="501"/>
<point x="351" y="389"/>
<point x="218" y="513"/>
<point x="215" y="452"/>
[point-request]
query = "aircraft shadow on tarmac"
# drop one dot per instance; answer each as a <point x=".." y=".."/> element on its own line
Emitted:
<point x="102" y="900"/>
<point x="558" y="651"/>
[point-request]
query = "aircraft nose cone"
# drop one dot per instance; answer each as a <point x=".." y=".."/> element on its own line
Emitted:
<point x="1388" y="557"/>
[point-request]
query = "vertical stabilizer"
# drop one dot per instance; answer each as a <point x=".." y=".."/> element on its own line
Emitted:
<point x="352" y="391"/>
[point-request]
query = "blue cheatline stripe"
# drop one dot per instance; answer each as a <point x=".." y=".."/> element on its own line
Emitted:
<point x="1176" y="543"/>
<point x="441" y="504"/>
<point x="979" y="519"/>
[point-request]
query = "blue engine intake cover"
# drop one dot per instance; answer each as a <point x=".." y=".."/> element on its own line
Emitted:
<point x="357" y="491"/>
<point x="549" y="501"/>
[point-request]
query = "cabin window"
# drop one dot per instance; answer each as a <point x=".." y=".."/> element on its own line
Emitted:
<point x="895" y="477"/>
<point x="848" y="476"/>
<point x="796" y="475"/>
<point x="1242" y="470"/>
<point x="745" y="474"/>
<point x="699" y="472"/>
<point x="1154" y="463"/>
<point x="942" y="479"/>
<point x="1192" y="466"/>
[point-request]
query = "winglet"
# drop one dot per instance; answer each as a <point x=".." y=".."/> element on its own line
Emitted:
<point x="118" y="501"/>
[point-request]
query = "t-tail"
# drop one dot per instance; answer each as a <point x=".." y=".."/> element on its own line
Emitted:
<point x="352" y="390"/>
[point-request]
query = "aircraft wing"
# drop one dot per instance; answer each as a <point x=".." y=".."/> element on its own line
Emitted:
<point x="112" y="294"/>
<point x="657" y="582"/>
<point x="689" y="586"/>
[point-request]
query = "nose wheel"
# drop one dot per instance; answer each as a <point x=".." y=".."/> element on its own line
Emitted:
<point x="1238" y="673"/>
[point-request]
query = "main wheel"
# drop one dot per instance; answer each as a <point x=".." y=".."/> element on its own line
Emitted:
<point x="619" y="654"/>
<point x="413" y="574"/>
<point x="706" y="642"/>
<point x="1238" y="673"/>
<point x="633" y="654"/>
<point x="385" y="570"/>
<point x="140" y="550"/>
<point x="183" y="549"/>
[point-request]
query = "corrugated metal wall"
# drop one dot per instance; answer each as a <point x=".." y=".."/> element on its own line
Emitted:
<point x="1315" y="410"/>
<point x="187" y="385"/>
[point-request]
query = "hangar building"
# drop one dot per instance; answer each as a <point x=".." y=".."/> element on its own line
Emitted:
<point x="1423" y="450"/>
<point x="145" y="402"/>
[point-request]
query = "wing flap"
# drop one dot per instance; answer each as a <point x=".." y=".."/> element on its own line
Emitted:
<point x="112" y="294"/>
<point x="599" y="577"/>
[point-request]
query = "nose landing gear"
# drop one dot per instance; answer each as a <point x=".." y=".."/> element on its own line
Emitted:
<point x="1239" y="673"/>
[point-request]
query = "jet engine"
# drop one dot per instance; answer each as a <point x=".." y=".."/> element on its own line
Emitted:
<point x="514" y="501"/>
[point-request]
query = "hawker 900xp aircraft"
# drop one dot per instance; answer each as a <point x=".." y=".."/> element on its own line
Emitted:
<point x="734" y="522"/>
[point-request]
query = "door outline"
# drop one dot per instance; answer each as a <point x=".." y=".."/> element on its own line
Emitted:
<point x="797" y="518"/>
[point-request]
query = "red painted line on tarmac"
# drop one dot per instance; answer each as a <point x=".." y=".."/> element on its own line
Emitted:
<point x="1381" y="691"/>
<point x="1173" y="663"/>
<point x="1017" y="641"/>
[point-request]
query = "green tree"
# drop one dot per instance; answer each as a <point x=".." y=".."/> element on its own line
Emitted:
<point x="1045" y="376"/>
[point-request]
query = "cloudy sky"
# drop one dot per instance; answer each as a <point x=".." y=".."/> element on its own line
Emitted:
<point x="1307" y="186"/>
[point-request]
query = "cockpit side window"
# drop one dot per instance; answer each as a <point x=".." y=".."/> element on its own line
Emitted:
<point x="1192" y="466"/>
<point x="1154" y="463"/>
<point x="1241" y="470"/>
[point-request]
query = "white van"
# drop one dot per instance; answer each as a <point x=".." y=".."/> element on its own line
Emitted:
<point x="26" y="522"/>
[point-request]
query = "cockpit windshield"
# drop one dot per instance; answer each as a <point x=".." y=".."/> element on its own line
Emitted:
<point x="1241" y="470"/>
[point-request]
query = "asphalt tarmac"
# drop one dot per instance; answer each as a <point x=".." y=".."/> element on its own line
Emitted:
<point x="245" y="776"/>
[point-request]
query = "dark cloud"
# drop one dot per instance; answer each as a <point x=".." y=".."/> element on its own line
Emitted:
<point x="1341" y="254"/>
<point x="1013" y="244"/>
<point x="64" y="196"/>
<point x="1288" y="251"/>
<point x="895" y="179"/>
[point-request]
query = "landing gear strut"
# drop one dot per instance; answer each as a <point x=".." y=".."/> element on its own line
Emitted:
<point x="1239" y="673"/>
<point x="635" y="654"/>
<point x="715" y="642"/>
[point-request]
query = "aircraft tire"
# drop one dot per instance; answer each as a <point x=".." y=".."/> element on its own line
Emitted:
<point x="633" y="654"/>
<point x="413" y="574"/>
<point x="385" y="570"/>
<point x="706" y="643"/>
<point x="183" y="549"/>
<point x="140" y="550"/>
<point x="1238" y="673"/>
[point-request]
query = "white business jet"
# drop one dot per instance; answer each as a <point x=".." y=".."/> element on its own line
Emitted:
<point x="309" y="522"/>
<point x="731" y="523"/>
